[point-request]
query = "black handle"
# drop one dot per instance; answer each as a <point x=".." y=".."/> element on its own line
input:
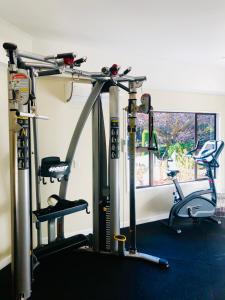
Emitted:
<point x="155" y="147"/>
<point x="65" y="55"/>
<point x="190" y="153"/>
<point x="79" y="61"/>
<point x="125" y="72"/>
<point x="49" y="72"/>
<point x="211" y="152"/>
<point x="10" y="48"/>
<point x="153" y="142"/>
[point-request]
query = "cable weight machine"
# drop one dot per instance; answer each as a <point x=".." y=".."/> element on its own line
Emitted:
<point x="106" y="236"/>
<point x="22" y="75"/>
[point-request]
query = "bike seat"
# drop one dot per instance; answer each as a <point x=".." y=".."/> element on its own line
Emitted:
<point x="172" y="173"/>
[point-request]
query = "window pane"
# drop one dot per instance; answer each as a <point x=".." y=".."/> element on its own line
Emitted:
<point x="205" y="127"/>
<point x="142" y="154"/>
<point x="142" y="131"/>
<point x="206" y="130"/>
<point x="142" y="168"/>
<point x="159" y="171"/>
<point x="176" y="136"/>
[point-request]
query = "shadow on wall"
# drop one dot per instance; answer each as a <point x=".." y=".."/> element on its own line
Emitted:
<point x="5" y="232"/>
<point x="58" y="88"/>
<point x="4" y="257"/>
<point x="4" y="208"/>
<point x="154" y="203"/>
<point x="5" y="184"/>
<point x="158" y="201"/>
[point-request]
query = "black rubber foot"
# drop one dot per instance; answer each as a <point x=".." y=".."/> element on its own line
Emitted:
<point x="164" y="263"/>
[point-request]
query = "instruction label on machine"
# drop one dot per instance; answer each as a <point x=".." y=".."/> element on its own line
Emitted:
<point x="23" y="143"/>
<point x="20" y="87"/>
<point x="114" y="138"/>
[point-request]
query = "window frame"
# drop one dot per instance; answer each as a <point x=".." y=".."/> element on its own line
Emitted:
<point x="196" y="114"/>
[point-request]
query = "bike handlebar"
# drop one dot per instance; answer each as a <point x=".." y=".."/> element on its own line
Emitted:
<point x="205" y="152"/>
<point x="190" y="153"/>
<point x="205" y="156"/>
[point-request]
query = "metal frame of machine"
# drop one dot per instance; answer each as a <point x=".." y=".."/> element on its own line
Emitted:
<point x="23" y="69"/>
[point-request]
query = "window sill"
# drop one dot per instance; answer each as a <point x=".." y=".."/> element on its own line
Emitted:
<point x="171" y="184"/>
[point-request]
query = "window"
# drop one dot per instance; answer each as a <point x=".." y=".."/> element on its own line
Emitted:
<point x="177" y="133"/>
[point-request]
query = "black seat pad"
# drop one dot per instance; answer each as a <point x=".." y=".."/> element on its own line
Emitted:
<point x="172" y="173"/>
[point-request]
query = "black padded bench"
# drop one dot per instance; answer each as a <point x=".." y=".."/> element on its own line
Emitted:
<point x="62" y="208"/>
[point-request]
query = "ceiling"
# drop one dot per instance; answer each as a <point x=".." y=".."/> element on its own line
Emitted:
<point x="176" y="29"/>
<point x="157" y="31"/>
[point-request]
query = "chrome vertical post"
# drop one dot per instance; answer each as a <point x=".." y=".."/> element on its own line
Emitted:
<point x="18" y="83"/>
<point x="132" y="108"/>
<point x="36" y="158"/>
<point x="114" y="154"/>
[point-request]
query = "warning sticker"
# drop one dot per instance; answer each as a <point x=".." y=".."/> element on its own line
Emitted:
<point x="114" y="138"/>
<point x="20" y="87"/>
<point x="19" y="76"/>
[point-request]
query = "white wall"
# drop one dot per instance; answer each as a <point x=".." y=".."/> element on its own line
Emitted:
<point x="8" y="33"/>
<point x="4" y="168"/>
<point x="175" y="74"/>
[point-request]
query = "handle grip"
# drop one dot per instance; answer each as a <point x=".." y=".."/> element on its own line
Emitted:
<point x="65" y="55"/>
<point x="30" y="115"/>
<point x="125" y="72"/>
<point x="190" y="153"/>
<point x="10" y="48"/>
<point x="49" y="72"/>
<point x="79" y="61"/>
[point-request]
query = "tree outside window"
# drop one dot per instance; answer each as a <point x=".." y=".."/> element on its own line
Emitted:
<point x="177" y="133"/>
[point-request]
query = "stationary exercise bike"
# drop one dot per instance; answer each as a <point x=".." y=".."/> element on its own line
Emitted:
<point x="199" y="204"/>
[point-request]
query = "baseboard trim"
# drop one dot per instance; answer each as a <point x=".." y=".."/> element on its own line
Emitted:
<point x="147" y="220"/>
<point x="5" y="262"/>
<point x="124" y="224"/>
<point x="153" y="218"/>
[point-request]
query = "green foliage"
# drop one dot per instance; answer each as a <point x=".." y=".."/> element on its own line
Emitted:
<point x="145" y="138"/>
<point x="165" y="151"/>
<point x="180" y="148"/>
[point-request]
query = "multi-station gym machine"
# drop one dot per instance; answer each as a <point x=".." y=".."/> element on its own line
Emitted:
<point x="23" y="69"/>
